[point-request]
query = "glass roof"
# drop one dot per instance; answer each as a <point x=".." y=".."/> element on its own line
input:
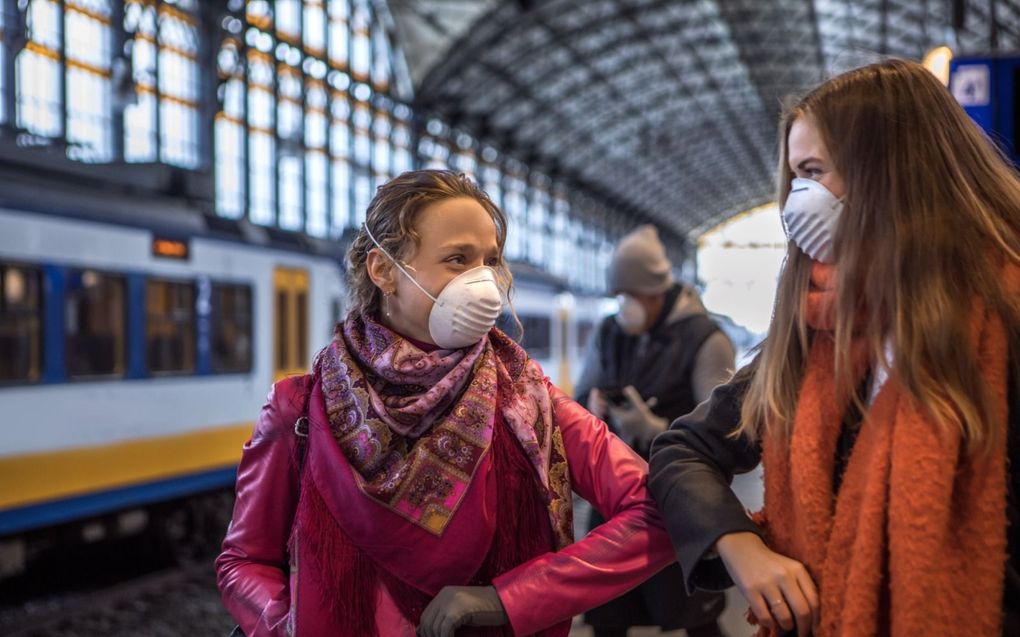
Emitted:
<point x="670" y="108"/>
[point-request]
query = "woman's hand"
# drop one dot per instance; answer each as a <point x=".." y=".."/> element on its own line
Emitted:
<point x="780" y="590"/>
<point x="457" y="606"/>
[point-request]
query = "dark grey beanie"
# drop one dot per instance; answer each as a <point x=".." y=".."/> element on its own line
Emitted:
<point x="640" y="264"/>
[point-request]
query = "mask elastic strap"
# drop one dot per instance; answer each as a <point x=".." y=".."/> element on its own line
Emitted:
<point x="397" y="263"/>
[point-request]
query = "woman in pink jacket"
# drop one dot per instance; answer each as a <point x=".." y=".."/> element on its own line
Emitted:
<point x="420" y="478"/>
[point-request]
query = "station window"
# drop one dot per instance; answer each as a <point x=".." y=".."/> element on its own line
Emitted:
<point x="162" y="123"/>
<point x="341" y="198"/>
<point x="179" y="86"/>
<point x="288" y="20"/>
<point x="230" y="134"/>
<point x="538" y="232"/>
<point x="537" y="340"/>
<point x="382" y="56"/>
<point x="39" y="74"/>
<point x="362" y="119"/>
<point x="382" y="150"/>
<point x="362" y="195"/>
<point x="261" y="138"/>
<point x="314" y="27"/>
<point x="402" y="156"/>
<point x="435" y="152"/>
<point x="94" y="315"/>
<point x="232" y="328"/>
<point x="360" y="44"/>
<point x="20" y="323"/>
<point x="317" y="158"/>
<point x="170" y="326"/>
<point x="464" y="160"/>
<point x="491" y="178"/>
<point x="515" y="207"/>
<point x="88" y="79"/>
<point x="290" y="130"/>
<point x="561" y="238"/>
<point x="339" y="33"/>
<point x="312" y="141"/>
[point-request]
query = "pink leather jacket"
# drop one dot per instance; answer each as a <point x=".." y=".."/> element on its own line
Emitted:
<point x="615" y="557"/>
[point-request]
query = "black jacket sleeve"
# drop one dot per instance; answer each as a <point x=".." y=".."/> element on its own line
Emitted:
<point x="692" y="465"/>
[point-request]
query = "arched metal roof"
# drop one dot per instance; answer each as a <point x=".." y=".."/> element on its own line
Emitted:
<point x="672" y="106"/>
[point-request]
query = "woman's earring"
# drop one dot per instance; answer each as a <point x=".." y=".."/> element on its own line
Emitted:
<point x="386" y="303"/>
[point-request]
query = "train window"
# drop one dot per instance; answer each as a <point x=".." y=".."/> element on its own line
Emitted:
<point x="282" y="330"/>
<point x="94" y="315"/>
<point x="231" y="329"/>
<point x="338" y="313"/>
<point x="170" y="326"/>
<point x="20" y="323"/>
<point x="301" y="355"/>
<point x="537" y="340"/>
<point x="508" y="326"/>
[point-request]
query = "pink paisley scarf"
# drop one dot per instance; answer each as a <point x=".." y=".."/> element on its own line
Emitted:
<point x="416" y="426"/>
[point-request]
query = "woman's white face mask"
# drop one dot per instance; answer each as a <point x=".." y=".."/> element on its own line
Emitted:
<point x="810" y="217"/>
<point x="465" y="309"/>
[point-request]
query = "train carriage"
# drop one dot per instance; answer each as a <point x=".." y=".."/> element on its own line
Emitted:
<point x="135" y="359"/>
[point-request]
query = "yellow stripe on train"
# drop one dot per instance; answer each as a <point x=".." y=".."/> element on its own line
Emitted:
<point x="38" y="477"/>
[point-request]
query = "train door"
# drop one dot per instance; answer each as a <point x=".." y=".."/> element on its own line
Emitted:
<point x="563" y="318"/>
<point x="290" y="322"/>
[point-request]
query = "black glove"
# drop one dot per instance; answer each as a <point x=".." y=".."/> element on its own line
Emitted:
<point x="457" y="606"/>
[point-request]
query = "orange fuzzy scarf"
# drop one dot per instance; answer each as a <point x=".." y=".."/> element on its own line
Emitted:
<point x="914" y="543"/>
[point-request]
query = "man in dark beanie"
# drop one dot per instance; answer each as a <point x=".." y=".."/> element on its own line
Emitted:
<point x="647" y="365"/>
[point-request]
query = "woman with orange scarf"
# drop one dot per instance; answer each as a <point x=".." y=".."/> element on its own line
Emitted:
<point x="883" y="404"/>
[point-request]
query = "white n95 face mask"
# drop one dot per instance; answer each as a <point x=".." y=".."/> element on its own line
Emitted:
<point x="465" y="310"/>
<point x="810" y="217"/>
<point x="632" y="315"/>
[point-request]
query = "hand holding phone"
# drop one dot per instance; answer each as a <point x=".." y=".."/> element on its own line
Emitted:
<point x="614" y="395"/>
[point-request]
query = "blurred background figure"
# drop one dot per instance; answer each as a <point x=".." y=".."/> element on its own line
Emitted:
<point x="651" y="362"/>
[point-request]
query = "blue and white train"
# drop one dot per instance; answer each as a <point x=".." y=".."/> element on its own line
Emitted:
<point x="136" y="350"/>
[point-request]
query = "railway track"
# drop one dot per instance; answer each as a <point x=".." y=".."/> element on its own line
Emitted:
<point x="156" y="582"/>
<point x="159" y="603"/>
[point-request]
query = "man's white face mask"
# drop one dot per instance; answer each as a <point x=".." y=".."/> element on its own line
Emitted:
<point x="632" y="315"/>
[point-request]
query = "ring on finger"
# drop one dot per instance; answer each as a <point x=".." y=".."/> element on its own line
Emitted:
<point x="776" y="602"/>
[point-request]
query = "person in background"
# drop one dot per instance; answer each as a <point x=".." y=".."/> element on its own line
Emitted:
<point x="653" y="361"/>
<point x="420" y="478"/>
<point x="883" y="404"/>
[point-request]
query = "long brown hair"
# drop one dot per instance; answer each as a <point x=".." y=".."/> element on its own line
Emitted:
<point x="391" y="218"/>
<point x="931" y="216"/>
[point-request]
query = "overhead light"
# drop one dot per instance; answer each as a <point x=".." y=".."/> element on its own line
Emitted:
<point x="14" y="286"/>
<point x="937" y="61"/>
